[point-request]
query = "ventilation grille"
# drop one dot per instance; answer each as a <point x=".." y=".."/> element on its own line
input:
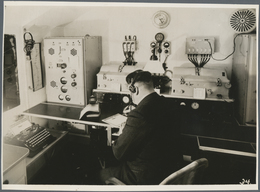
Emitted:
<point x="53" y="84"/>
<point x="73" y="52"/>
<point x="51" y="51"/>
<point x="243" y="21"/>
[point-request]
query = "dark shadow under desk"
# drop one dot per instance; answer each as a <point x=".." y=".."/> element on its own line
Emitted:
<point x="230" y="161"/>
<point x="36" y="163"/>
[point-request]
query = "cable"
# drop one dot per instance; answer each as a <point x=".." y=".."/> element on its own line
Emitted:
<point x="234" y="48"/>
<point x="191" y="59"/>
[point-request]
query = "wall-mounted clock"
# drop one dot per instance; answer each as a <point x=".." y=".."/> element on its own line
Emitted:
<point x="161" y="19"/>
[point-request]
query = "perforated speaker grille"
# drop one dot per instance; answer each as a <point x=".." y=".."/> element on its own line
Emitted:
<point x="243" y="21"/>
<point x="73" y="52"/>
<point x="51" y="51"/>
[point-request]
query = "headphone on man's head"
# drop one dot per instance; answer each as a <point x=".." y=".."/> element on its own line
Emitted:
<point x="132" y="88"/>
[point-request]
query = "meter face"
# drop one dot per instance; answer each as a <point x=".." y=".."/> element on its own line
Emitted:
<point x="159" y="37"/>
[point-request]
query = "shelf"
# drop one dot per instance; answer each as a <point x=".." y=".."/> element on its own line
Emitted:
<point x="165" y="95"/>
<point x="60" y="112"/>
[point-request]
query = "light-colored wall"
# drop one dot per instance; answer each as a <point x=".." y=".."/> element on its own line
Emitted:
<point x="113" y="22"/>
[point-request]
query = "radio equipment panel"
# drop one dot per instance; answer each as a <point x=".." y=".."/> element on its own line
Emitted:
<point x="71" y="65"/>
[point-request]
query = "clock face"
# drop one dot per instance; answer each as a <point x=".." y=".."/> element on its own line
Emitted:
<point x="161" y="19"/>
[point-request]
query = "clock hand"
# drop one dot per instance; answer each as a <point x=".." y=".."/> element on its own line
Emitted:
<point x="161" y="19"/>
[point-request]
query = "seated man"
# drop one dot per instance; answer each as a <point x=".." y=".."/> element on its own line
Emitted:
<point x="148" y="149"/>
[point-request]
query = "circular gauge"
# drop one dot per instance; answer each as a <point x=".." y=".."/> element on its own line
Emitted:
<point x="161" y="19"/>
<point x="195" y="105"/>
<point x="126" y="99"/>
<point x="159" y="37"/>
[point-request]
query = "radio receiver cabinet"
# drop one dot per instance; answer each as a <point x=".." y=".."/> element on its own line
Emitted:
<point x="71" y="65"/>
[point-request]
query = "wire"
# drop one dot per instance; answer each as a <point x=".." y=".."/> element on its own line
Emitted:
<point x="191" y="59"/>
<point x="234" y="48"/>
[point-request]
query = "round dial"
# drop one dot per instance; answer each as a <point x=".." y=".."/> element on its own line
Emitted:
<point x="159" y="37"/>
<point x="161" y="19"/>
<point x="126" y="99"/>
<point x="195" y="105"/>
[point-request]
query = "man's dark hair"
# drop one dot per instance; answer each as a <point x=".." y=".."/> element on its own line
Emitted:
<point x="139" y="76"/>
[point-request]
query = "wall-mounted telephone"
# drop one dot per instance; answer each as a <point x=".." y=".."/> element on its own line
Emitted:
<point x="159" y="48"/>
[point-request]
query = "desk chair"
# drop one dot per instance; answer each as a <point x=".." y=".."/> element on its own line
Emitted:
<point x="184" y="176"/>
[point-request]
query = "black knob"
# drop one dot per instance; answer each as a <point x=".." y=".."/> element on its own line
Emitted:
<point x="6" y="182"/>
<point x="63" y="65"/>
<point x="63" y="80"/>
<point x="73" y="84"/>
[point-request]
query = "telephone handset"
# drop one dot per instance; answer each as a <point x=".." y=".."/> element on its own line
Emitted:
<point x="156" y="46"/>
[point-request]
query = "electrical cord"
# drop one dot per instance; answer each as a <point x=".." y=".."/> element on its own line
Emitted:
<point x="234" y="48"/>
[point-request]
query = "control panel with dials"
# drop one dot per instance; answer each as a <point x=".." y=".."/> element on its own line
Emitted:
<point x="66" y="61"/>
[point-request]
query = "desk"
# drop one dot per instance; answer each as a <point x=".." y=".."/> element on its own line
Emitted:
<point x="34" y="164"/>
<point x="67" y="113"/>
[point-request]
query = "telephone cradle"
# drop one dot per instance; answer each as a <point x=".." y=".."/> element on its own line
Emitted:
<point x="35" y="138"/>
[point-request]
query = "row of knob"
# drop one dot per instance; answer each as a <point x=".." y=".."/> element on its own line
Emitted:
<point x="64" y="89"/>
<point x="67" y="97"/>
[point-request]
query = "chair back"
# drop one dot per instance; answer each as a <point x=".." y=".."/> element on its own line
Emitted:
<point x="188" y="174"/>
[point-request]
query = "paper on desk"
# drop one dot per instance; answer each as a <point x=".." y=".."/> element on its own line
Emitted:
<point x="116" y="120"/>
<point x="19" y="126"/>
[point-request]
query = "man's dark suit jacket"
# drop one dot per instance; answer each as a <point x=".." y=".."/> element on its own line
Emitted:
<point x="149" y="145"/>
